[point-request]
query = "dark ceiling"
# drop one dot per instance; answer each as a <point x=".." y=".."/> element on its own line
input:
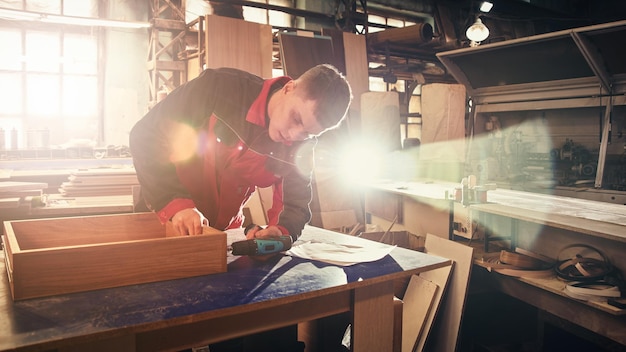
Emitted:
<point x="447" y="21"/>
<point x="508" y="19"/>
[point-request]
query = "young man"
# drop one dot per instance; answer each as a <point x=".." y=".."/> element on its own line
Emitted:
<point x="202" y="151"/>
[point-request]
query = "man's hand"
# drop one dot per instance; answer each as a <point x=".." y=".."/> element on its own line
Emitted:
<point x="259" y="232"/>
<point x="189" y="222"/>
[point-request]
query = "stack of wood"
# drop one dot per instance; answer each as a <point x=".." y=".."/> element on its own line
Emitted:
<point x="12" y="192"/>
<point x="100" y="182"/>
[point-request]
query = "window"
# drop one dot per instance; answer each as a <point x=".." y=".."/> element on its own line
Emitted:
<point x="49" y="75"/>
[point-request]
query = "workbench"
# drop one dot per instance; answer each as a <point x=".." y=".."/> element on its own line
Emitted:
<point x="545" y="224"/>
<point x="541" y="223"/>
<point x="419" y="207"/>
<point x="251" y="296"/>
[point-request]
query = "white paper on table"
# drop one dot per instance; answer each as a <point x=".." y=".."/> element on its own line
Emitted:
<point x="339" y="254"/>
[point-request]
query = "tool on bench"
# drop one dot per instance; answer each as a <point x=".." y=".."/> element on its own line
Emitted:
<point x="260" y="246"/>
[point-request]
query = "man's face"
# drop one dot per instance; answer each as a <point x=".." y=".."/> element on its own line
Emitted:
<point x="291" y="117"/>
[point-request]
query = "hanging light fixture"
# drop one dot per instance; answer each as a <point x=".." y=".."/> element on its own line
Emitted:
<point x="477" y="32"/>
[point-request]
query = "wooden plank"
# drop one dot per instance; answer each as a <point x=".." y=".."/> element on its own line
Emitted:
<point x="104" y="172"/>
<point x="418" y="301"/>
<point x="236" y="43"/>
<point x="14" y="186"/>
<point x="439" y="277"/>
<point x="100" y="182"/>
<point x="9" y="202"/>
<point x="109" y="180"/>
<point x="444" y="336"/>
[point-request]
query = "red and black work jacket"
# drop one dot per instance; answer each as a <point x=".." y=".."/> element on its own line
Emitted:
<point x="206" y="145"/>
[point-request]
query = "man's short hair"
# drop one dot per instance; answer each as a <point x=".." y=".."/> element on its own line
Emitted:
<point x="330" y="89"/>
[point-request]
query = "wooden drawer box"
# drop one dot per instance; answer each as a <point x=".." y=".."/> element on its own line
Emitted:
<point x="47" y="257"/>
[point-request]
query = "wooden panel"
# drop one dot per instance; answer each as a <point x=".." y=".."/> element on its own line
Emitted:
<point x="231" y="42"/>
<point x="380" y="121"/>
<point x="440" y="277"/>
<point x="300" y="53"/>
<point x="336" y="37"/>
<point x="373" y="335"/>
<point x="423" y="216"/>
<point x="448" y="322"/>
<point x="418" y="300"/>
<point x="357" y="72"/>
<point x="443" y="122"/>
<point x="62" y="255"/>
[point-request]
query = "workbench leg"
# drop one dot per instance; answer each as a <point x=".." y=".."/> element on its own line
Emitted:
<point x="514" y="231"/>
<point x="451" y="236"/>
<point x="372" y="318"/>
<point x="486" y="230"/>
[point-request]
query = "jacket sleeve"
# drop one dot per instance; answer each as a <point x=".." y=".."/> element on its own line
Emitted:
<point x="159" y="140"/>
<point x="292" y="195"/>
<point x="296" y="199"/>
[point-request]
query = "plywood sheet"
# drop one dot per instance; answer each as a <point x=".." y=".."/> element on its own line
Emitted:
<point x="236" y="43"/>
<point x="336" y="36"/>
<point x="300" y="53"/>
<point x="380" y="119"/>
<point x="443" y="122"/>
<point x="418" y="300"/>
<point x="13" y="186"/>
<point x="357" y="70"/>
<point x="439" y="277"/>
<point x="444" y="335"/>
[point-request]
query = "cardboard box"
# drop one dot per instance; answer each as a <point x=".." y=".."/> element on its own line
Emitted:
<point x="47" y="257"/>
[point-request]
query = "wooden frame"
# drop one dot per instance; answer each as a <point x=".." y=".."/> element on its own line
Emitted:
<point x="63" y="255"/>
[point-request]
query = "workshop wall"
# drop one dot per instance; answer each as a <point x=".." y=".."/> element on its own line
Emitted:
<point x="125" y="75"/>
<point x="547" y="147"/>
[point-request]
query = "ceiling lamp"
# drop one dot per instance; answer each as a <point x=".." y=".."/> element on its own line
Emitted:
<point x="477" y="32"/>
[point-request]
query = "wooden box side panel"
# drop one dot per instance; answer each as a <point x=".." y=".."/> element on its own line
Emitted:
<point x="206" y="230"/>
<point x="67" y="270"/>
<point x="8" y="259"/>
<point x="86" y="230"/>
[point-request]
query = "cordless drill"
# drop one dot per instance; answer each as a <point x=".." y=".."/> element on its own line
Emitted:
<point x="258" y="246"/>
